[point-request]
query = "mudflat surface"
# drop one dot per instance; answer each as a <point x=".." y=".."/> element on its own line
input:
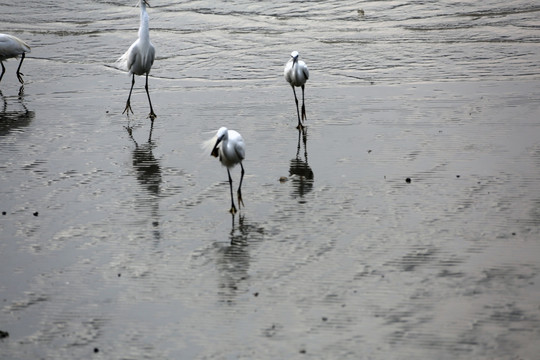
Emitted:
<point x="122" y="247"/>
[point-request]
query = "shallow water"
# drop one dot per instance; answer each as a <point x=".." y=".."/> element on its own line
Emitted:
<point x="123" y="244"/>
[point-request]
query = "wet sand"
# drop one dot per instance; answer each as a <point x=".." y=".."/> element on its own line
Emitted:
<point x="114" y="246"/>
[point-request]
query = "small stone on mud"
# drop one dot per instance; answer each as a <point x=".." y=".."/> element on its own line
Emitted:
<point x="36" y="213"/>
<point x="283" y="179"/>
<point x="324" y="318"/>
<point x="408" y="180"/>
<point x="3" y="334"/>
<point x="256" y="294"/>
<point x="302" y="351"/>
<point x="96" y="350"/>
<point x="4" y="213"/>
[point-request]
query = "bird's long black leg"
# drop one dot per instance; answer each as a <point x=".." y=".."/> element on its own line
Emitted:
<point x="297" y="111"/>
<point x="3" y="70"/>
<point x="19" y="69"/>
<point x="304" y="117"/>
<point x="240" y="201"/>
<point x="152" y="115"/>
<point x="233" y="208"/>
<point x="128" y="102"/>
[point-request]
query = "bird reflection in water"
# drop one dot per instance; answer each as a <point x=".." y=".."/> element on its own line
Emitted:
<point x="299" y="171"/>
<point x="233" y="259"/>
<point x="12" y="119"/>
<point x="148" y="172"/>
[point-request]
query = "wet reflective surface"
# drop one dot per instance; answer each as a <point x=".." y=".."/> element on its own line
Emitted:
<point x="116" y="241"/>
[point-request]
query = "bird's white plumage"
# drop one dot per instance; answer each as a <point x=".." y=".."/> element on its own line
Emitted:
<point x="139" y="58"/>
<point x="296" y="71"/>
<point x="12" y="47"/>
<point x="229" y="147"/>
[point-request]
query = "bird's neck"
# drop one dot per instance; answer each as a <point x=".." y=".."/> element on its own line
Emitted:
<point x="144" y="32"/>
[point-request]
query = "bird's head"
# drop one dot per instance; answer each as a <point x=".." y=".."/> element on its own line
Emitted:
<point x="145" y="3"/>
<point x="222" y="132"/>
<point x="294" y="55"/>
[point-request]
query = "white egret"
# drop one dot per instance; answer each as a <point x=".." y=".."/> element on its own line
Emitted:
<point x="139" y="58"/>
<point x="12" y="47"/>
<point x="230" y="147"/>
<point x="296" y="73"/>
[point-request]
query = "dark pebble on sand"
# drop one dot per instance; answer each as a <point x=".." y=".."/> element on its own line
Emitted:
<point x="408" y="180"/>
<point x="96" y="350"/>
<point x="3" y="334"/>
<point x="36" y="213"/>
<point x="4" y="213"/>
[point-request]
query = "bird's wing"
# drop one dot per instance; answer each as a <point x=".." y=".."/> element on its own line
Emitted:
<point x="151" y="54"/>
<point x="287" y="71"/>
<point x="122" y="61"/>
<point x="239" y="148"/>
<point x="305" y="71"/>
<point x="132" y="57"/>
<point x="126" y="61"/>
<point x="11" y="46"/>
<point x="22" y="44"/>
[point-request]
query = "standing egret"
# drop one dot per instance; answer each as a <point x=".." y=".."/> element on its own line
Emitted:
<point x="12" y="47"/>
<point x="296" y="73"/>
<point x="229" y="146"/>
<point x="139" y="58"/>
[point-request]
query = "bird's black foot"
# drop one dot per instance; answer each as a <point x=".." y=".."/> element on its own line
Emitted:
<point x="19" y="76"/>
<point x="300" y="127"/>
<point x="304" y="116"/>
<point x="233" y="209"/>
<point x="240" y="201"/>
<point x="152" y="116"/>
<point x="127" y="109"/>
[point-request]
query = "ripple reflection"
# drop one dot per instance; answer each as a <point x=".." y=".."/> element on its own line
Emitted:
<point x="148" y="173"/>
<point x="14" y="119"/>
<point x="303" y="175"/>
<point x="233" y="260"/>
